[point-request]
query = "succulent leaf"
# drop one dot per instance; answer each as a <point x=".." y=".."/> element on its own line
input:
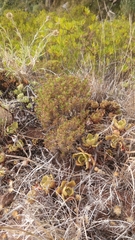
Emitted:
<point x="66" y="189"/>
<point x="12" y="128"/>
<point x="83" y="159"/>
<point x="90" y="140"/>
<point x="97" y="116"/>
<point x="47" y="183"/>
<point x="115" y="140"/>
<point x="120" y="125"/>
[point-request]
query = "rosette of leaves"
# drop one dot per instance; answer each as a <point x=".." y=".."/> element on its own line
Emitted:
<point x="22" y="98"/>
<point x="66" y="189"/>
<point x="19" y="91"/>
<point x="115" y="140"/>
<point x="92" y="105"/>
<point x="110" y="106"/>
<point x="104" y="104"/>
<point x="12" y="128"/>
<point x="120" y="125"/>
<point x="47" y="183"/>
<point x="83" y="159"/>
<point x="14" y="147"/>
<point x="91" y="140"/>
<point x="97" y="116"/>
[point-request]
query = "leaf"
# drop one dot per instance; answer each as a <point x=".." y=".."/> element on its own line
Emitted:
<point x="120" y="125"/>
<point x="66" y="189"/>
<point x="47" y="183"/>
<point x="67" y="192"/>
<point x="90" y="140"/>
<point x="97" y="116"/>
<point x="84" y="159"/>
<point x="12" y="128"/>
<point x="7" y="199"/>
<point x="115" y="140"/>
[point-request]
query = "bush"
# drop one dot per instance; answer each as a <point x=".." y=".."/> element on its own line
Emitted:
<point x="60" y="108"/>
<point x="72" y="42"/>
<point x="23" y="40"/>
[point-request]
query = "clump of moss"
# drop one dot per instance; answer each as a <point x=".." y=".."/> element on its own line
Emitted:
<point x="61" y="105"/>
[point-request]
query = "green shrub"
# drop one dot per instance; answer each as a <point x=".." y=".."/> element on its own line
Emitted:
<point x="69" y="42"/>
<point x="60" y="108"/>
<point x="23" y="39"/>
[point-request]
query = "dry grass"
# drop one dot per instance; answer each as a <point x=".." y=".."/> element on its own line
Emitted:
<point x="103" y="211"/>
<point x="105" y="208"/>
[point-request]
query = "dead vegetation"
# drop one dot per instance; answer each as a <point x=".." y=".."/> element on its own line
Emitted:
<point x="101" y="204"/>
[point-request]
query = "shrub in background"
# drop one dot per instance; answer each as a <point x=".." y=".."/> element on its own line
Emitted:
<point x="23" y="40"/>
<point x="70" y="42"/>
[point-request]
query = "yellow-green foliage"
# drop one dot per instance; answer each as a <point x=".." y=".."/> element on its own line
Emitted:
<point x="61" y="109"/>
<point x="66" y="189"/>
<point x="67" y="41"/>
<point x="111" y="43"/>
<point x="23" y="39"/>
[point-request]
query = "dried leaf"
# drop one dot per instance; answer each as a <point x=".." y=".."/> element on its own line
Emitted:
<point x="2" y="171"/>
<point x="2" y="157"/>
<point x="7" y="199"/>
<point x="130" y="219"/>
<point x="31" y="196"/>
<point x="5" y="117"/>
<point x="117" y="210"/>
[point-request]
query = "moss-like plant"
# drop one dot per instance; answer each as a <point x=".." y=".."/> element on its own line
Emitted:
<point x="64" y="137"/>
<point x="60" y="107"/>
<point x="65" y="96"/>
<point x="47" y="183"/>
<point x="66" y="189"/>
<point x="91" y="140"/>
